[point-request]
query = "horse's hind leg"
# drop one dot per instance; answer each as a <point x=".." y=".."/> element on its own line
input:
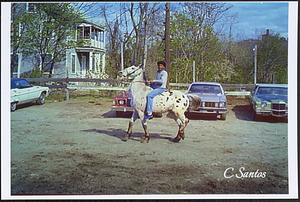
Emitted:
<point x="182" y="122"/>
<point x="134" y="117"/>
<point x="186" y="122"/>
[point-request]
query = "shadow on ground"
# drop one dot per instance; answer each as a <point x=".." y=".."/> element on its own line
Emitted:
<point x="119" y="133"/>
<point x="245" y="113"/>
<point x="192" y="116"/>
<point x="120" y="114"/>
<point x="113" y="114"/>
<point x="22" y="106"/>
<point x="196" y="116"/>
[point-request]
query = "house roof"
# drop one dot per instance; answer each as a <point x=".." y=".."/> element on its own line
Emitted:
<point x="93" y="24"/>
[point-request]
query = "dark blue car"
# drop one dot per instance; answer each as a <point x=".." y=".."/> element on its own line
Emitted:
<point x="270" y="100"/>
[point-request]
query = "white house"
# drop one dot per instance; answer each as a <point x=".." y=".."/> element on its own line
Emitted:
<point x="86" y="61"/>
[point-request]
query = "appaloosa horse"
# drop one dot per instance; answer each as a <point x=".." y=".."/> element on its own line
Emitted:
<point x="174" y="103"/>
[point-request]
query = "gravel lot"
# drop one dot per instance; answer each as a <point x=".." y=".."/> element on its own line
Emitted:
<point x="75" y="147"/>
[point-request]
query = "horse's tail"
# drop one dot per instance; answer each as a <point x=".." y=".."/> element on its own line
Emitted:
<point x="194" y="102"/>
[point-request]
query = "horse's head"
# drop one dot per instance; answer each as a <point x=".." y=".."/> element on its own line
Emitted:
<point x="131" y="72"/>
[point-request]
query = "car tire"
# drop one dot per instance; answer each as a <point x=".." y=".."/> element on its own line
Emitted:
<point x="41" y="99"/>
<point x="223" y="117"/>
<point x="13" y="106"/>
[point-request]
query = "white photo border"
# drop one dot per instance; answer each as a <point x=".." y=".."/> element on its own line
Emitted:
<point x="292" y="125"/>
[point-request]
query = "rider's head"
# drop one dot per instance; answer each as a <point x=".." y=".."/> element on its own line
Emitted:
<point x="161" y="65"/>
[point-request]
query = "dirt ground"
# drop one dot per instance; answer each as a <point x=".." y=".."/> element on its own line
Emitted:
<point x="75" y="147"/>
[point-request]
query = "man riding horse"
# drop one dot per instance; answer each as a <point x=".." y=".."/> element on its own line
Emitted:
<point x="157" y="100"/>
<point x="159" y="86"/>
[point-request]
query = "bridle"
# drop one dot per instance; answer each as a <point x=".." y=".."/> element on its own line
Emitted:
<point x="133" y="73"/>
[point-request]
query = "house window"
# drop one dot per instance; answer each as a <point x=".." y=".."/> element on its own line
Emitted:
<point x="31" y="7"/>
<point x="93" y="62"/>
<point x="102" y="36"/>
<point x="80" y="33"/>
<point x="87" y="32"/>
<point x="101" y="61"/>
<point x="96" y="35"/>
<point x="73" y="65"/>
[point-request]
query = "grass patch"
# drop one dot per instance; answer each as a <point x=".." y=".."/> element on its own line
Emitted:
<point x="56" y="97"/>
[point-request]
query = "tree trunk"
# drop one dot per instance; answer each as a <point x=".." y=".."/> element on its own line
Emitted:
<point x="51" y="69"/>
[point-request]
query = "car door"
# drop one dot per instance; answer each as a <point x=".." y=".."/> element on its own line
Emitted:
<point x="24" y="91"/>
<point x="18" y="93"/>
<point x="35" y="92"/>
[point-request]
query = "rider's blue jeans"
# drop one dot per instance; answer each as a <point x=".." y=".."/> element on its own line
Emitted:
<point x="150" y="97"/>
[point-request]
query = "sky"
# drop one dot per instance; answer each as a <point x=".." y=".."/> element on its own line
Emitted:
<point x="252" y="18"/>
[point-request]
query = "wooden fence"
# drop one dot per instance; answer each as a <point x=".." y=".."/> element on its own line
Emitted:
<point x="117" y="85"/>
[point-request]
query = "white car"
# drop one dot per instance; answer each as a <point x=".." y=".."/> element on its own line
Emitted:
<point x="21" y="91"/>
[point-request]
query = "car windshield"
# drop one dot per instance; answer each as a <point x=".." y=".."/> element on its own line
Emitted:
<point x="205" y="88"/>
<point x="19" y="84"/>
<point x="272" y="91"/>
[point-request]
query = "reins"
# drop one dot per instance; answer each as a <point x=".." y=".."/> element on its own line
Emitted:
<point x="144" y="80"/>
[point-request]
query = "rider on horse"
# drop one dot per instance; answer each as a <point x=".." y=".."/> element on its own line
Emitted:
<point x="159" y="86"/>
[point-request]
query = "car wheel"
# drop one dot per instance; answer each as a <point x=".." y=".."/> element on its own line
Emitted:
<point x="41" y="99"/>
<point x="13" y="106"/>
<point x="223" y="117"/>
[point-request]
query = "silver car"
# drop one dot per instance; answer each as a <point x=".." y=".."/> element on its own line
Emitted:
<point x="213" y="99"/>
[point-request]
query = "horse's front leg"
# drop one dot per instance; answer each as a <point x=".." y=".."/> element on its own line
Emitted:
<point x="134" y="117"/>
<point x="146" y="136"/>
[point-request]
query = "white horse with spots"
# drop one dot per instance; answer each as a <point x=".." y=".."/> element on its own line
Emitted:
<point x="174" y="103"/>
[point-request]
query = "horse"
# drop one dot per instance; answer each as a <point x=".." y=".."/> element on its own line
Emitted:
<point x="173" y="103"/>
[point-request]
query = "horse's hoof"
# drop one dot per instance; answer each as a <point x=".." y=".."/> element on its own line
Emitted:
<point x="125" y="138"/>
<point x="182" y="136"/>
<point x="176" y="139"/>
<point x="145" y="140"/>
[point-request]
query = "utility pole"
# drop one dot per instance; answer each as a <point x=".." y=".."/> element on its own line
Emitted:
<point x="122" y="55"/>
<point x="122" y="42"/>
<point x="255" y="62"/>
<point x="194" y="71"/>
<point x="145" y="44"/>
<point x="167" y="38"/>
